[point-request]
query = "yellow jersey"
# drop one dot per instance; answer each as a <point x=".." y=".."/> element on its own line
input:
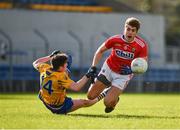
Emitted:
<point x="53" y="85"/>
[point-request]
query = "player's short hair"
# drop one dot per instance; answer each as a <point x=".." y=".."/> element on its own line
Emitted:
<point x="134" y="22"/>
<point x="59" y="60"/>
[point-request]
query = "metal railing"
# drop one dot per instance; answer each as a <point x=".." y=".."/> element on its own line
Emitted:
<point x="10" y="46"/>
<point x="173" y="55"/>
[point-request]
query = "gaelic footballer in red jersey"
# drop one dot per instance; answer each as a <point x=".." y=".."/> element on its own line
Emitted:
<point x="122" y="53"/>
<point x="116" y="71"/>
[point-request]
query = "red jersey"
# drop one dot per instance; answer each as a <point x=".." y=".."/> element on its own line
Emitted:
<point x="123" y="52"/>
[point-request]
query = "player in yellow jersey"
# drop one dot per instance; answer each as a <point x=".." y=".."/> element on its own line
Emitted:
<point x="54" y="81"/>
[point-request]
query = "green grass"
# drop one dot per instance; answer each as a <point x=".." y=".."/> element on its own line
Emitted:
<point x="133" y="111"/>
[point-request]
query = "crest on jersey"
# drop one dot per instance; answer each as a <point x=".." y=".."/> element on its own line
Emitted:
<point x="133" y="49"/>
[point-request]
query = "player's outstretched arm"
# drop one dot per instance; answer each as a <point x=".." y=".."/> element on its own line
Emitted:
<point x="45" y="59"/>
<point x="98" y="55"/>
<point x="76" y="86"/>
<point x="41" y="60"/>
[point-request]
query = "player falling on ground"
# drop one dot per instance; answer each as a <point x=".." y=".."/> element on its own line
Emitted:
<point x="54" y="81"/>
<point x="116" y="71"/>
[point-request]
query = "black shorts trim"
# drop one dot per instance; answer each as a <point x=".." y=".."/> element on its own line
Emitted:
<point x="104" y="80"/>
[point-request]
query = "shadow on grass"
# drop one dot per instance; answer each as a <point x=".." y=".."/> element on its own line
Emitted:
<point x="124" y="116"/>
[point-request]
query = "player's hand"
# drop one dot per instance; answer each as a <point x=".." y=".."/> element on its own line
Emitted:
<point x="126" y="70"/>
<point x="92" y="78"/>
<point x="55" y="53"/>
<point x="92" y="73"/>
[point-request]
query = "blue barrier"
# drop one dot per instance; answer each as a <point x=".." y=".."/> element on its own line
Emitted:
<point x="162" y="75"/>
<point x="29" y="73"/>
<point x="19" y="73"/>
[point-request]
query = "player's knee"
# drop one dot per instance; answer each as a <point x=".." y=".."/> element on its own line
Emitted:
<point x="91" y="96"/>
<point x="109" y="102"/>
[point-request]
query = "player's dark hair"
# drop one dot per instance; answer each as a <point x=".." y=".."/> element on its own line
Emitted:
<point x="59" y="60"/>
<point x="134" y="22"/>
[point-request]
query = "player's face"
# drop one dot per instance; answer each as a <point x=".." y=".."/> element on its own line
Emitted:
<point x="64" y="67"/>
<point x="130" y="32"/>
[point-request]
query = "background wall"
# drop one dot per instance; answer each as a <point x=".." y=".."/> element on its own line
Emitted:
<point x="76" y="33"/>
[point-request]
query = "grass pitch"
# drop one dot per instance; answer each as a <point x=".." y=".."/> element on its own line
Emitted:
<point x="133" y="111"/>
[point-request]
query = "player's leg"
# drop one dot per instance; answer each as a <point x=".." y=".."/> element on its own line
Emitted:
<point x="103" y="81"/>
<point x="79" y="103"/>
<point x="112" y="98"/>
<point x="95" y="89"/>
<point x="119" y="83"/>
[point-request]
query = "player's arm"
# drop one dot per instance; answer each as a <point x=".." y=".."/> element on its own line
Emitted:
<point x="45" y="59"/>
<point x="98" y="54"/>
<point x="97" y="57"/>
<point x="77" y="86"/>
<point x="41" y="60"/>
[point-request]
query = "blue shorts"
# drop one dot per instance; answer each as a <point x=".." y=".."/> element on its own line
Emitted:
<point x="62" y="109"/>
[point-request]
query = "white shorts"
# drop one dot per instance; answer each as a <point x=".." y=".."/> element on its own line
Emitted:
<point x="115" y="79"/>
